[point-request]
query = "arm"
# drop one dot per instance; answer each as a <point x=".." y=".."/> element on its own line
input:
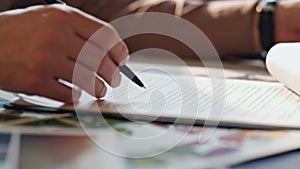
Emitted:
<point x="231" y="25"/>
<point x="287" y="21"/>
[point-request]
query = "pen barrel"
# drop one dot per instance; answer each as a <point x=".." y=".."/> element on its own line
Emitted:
<point x="127" y="72"/>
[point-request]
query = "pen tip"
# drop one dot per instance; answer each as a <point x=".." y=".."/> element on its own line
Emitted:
<point x="144" y="87"/>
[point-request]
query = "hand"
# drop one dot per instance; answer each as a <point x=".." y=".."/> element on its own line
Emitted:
<point x="40" y="45"/>
<point x="287" y="22"/>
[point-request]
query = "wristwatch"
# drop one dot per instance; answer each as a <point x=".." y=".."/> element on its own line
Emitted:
<point x="266" y="10"/>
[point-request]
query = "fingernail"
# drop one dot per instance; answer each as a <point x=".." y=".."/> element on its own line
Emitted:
<point x="116" y="80"/>
<point x="102" y="92"/>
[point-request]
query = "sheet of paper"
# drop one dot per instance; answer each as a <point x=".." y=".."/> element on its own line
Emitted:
<point x="246" y="102"/>
<point x="195" y="99"/>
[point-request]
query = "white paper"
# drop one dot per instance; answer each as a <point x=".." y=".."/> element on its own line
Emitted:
<point x="246" y="102"/>
<point x="194" y="98"/>
<point x="283" y="62"/>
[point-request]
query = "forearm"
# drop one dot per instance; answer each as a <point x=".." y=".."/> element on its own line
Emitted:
<point x="230" y="25"/>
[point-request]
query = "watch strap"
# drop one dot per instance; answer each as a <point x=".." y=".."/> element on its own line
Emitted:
<point x="266" y="27"/>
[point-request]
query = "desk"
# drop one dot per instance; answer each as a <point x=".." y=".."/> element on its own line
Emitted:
<point x="80" y="152"/>
<point x="289" y="160"/>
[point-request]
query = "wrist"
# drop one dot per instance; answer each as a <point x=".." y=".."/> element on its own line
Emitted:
<point x="285" y="21"/>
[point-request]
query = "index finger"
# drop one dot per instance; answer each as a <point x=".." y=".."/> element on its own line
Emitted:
<point x="101" y="34"/>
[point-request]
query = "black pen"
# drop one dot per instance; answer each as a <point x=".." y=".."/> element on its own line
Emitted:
<point x="124" y="69"/>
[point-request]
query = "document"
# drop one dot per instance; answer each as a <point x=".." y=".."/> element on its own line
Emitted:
<point x="183" y="99"/>
<point x="244" y="101"/>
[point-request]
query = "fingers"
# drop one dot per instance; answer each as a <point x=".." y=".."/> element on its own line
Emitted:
<point x="57" y="91"/>
<point x="100" y="34"/>
<point x="119" y="53"/>
<point x="87" y="80"/>
<point x="80" y="47"/>
<point x="101" y="52"/>
<point x="87" y="28"/>
<point x="82" y="77"/>
<point x="110" y="72"/>
<point x="107" y="70"/>
<point x="100" y="61"/>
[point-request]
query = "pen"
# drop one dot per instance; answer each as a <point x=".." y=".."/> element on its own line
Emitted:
<point x="124" y="69"/>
